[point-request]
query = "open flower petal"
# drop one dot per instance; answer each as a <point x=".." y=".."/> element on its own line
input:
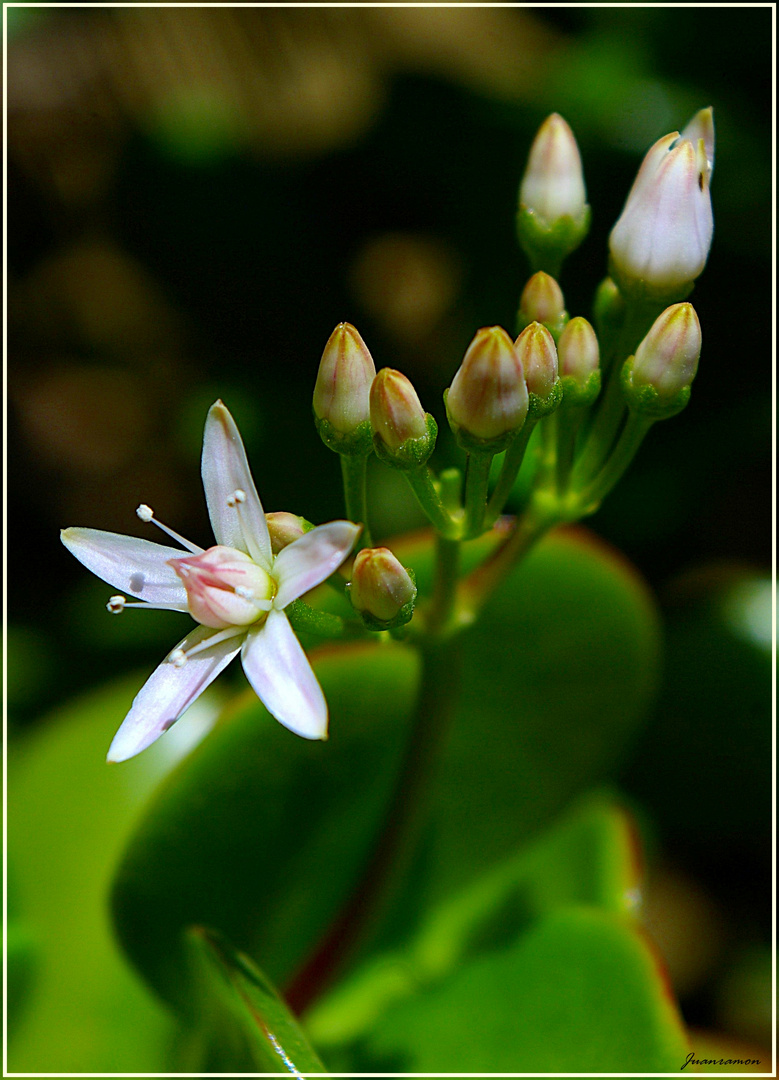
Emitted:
<point x="169" y="692"/>
<point x="311" y="559"/>
<point x="134" y="566"/>
<point x="225" y="470"/>
<point x="281" y="676"/>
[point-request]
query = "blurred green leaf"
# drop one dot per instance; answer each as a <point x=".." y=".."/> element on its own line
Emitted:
<point x="263" y="836"/>
<point x="243" y="1023"/>
<point x="578" y="992"/>
<point x="589" y="857"/>
<point x="704" y="768"/>
<point x="69" y="815"/>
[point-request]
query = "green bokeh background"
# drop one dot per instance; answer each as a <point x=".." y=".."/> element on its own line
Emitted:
<point x="196" y="197"/>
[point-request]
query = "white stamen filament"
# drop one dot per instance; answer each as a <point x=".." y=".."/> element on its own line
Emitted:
<point x="248" y="594"/>
<point x="117" y="604"/>
<point x="178" y="657"/>
<point x="145" y="513"/>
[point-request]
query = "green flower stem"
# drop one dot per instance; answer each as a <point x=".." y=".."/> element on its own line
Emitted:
<point x="591" y="496"/>
<point x="309" y="620"/>
<point x="398" y="838"/>
<point x="477" y="474"/>
<point x="569" y="422"/>
<point x="512" y="463"/>
<point x="611" y="405"/>
<point x="450" y="483"/>
<point x="354" y="468"/>
<point x="476" y="589"/>
<point x="438" y="621"/>
<point x="422" y="483"/>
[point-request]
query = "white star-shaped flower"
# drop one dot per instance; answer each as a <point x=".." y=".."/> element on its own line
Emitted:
<point x="237" y="591"/>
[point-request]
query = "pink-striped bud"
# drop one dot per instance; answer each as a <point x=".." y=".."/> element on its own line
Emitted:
<point x="381" y="587"/>
<point x="538" y="354"/>
<point x="488" y="397"/>
<point x="542" y="301"/>
<point x="284" y="529"/>
<point x="577" y="350"/>
<point x="553" y="185"/>
<point x="397" y="416"/>
<point x="661" y="241"/>
<point x="225" y="587"/>
<point x="667" y="358"/>
<point x="343" y="381"/>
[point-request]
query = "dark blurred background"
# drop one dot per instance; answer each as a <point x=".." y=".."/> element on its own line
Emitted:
<point x="196" y="196"/>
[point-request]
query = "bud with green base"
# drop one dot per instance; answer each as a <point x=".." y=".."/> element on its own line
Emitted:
<point x="553" y="216"/>
<point x="579" y="360"/>
<point x="404" y="435"/>
<point x="542" y="301"/>
<point x="538" y="355"/>
<point x="285" y="529"/>
<point x="341" y="393"/>
<point x="382" y="591"/>
<point x="661" y="241"/>
<point x="656" y="381"/>
<point x="487" y="402"/>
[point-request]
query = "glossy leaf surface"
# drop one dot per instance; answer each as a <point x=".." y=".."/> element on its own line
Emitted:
<point x="263" y="836"/>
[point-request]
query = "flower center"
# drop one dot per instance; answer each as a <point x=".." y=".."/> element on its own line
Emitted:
<point x="225" y="587"/>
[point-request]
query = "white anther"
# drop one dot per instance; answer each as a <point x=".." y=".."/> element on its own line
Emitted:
<point x="144" y="512"/>
<point x="244" y="592"/>
<point x="178" y="658"/>
<point x="238" y="496"/>
<point x="116" y="604"/>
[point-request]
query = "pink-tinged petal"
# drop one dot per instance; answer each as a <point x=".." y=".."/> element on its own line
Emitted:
<point x="169" y="692"/>
<point x="281" y="676"/>
<point x="225" y="470"/>
<point x="308" y="561"/>
<point x="134" y="566"/>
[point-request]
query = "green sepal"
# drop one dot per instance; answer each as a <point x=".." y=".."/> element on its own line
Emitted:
<point x="414" y="453"/>
<point x="357" y="443"/>
<point x="305" y="619"/>
<point x="405" y="615"/>
<point x="577" y="396"/>
<point x="639" y="291"/>
<point x="547" y="245"/>
<point x="472" y="444"/>
<point x="539" y="407"/>
<point x="646" y="401"/>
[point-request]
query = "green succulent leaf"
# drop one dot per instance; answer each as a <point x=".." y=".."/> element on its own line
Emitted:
<point x="265" y="835"/>
<point x="580" y="991"/>
<point x="242" y="1023"/>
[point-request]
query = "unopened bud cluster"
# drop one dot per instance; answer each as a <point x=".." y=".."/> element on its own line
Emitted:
<point x="549" y="376"/>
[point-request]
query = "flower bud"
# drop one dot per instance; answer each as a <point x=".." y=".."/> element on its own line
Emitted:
<point x="542" y="301"/>
<point x="657" y="379"/>
<point x="579" y="357"/>
<point x="608" y="307"/>
<point x="553" y="184"/>
<point x="538" y="355"/>
<point x="702" y="127"/>
<point x="224" y="587"/>
<point x="661" y="241"/>
<point x="488" y="397"/>
<point x="403" y="433"/>
<point x="285" y="529"/>
<point x="553" y="214"/>
<point x="341" y="393"/>
<point x="381" y="590"/>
